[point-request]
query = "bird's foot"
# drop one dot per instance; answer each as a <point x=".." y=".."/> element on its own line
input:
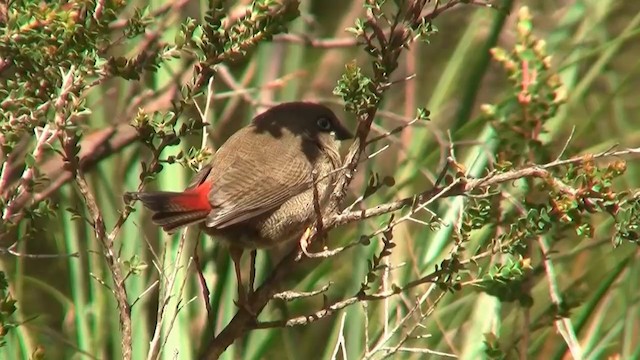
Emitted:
<point x="243" y="301"/>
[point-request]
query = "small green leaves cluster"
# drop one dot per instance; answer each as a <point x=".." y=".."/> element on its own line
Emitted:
<point x="135" y="265"/>
<point x="7" y="309"/>
<point x="505" y="281"/>
<point x="492" y="349"/>
<point x="221" y="39"/>
<point x="477" y="214"/>
<point x="376" y="183"/>
<point x="38" y="41"/>
<point x="133" y="68"/>
<point x="628" y="222"/>
<point x="536" y="95"/>
<point x="192" y="159"/>
<point x="537" y="221"/>
<point x="160" y="130"/>
<point x="265" y="19"/>
<point x="356" y="90"/>
<point x="52" y="54"/>
<point x="594" y="193"/>
<point x="584" y="190"/>
<point x="559" y="198"/>
<point x="383" y="37"/>
<point x="377" y="264"/>
<point x="448" y="271"/>
<point x="148" y="60"/>
<point x="422" y="114"/>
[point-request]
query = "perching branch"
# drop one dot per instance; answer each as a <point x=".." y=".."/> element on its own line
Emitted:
<point x="338" y="305"/>
<point x="484" y="183"/>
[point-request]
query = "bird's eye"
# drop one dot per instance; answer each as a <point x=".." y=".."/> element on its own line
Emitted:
<point x="324" y="123"/>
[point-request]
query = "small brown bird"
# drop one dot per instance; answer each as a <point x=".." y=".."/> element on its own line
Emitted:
<point x="258" y="190"/>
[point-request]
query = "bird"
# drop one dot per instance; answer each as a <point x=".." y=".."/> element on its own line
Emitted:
<point x="264" y="185"/>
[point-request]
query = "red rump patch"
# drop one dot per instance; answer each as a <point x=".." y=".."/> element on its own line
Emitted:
<point x="195" y="199"/>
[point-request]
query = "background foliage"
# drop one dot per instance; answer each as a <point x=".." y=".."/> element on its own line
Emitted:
<point x="537" y="262"/>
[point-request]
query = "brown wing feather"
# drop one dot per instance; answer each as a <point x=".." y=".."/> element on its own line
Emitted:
<point x="259" y="176"/>
<point x="200" y="177"/>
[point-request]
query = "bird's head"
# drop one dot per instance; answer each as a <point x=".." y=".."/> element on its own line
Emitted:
<point x="311" y="121"/>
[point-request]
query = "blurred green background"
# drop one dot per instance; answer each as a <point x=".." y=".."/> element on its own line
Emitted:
<point x="596" y="50"/>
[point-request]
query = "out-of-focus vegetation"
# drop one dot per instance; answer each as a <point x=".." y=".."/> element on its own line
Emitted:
<point x="539" y="261"/>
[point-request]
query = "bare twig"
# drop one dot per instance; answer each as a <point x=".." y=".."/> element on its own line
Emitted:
<point x="341" y="343"/>
<point x="566" y="144"/>
<point x="316" y="43"/>
<point x="392" y="131"/>
<point x="339" y="305"/>
<point x="293" y="295"/>
<point x="93" y="148"/>
<point x="166" y="294"/>
<point x="69" y="140"/>
<point x="204" y="115"/>
<point x="402" y="324"/>
<point x="563" y="324"/>
<point x="470" y="185"/>
<point x="142" y="294"/>
<point x="178" y="305"/>
<point x="11" y="250"/>
<point x="393" y="350"/>
<point x="206" y="294"/>
<point x="44" y="137"/>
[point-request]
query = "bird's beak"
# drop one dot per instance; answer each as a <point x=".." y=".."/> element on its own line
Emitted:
<point x="341" y="133"/>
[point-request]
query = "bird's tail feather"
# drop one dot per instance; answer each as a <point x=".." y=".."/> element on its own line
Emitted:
<point x="173" y="210"/>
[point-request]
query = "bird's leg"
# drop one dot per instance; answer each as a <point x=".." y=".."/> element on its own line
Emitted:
<point x="236" y="255"/>
<point x="252" y="274"/>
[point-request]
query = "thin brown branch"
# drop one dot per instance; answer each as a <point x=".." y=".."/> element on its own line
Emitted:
<point x="538" y="171"/>
<point x="401" y="325"/>
<point x="69" y="140"/>
<point x="393" y="131"/>
<point x="294" y="295"/>
<point x="316" y="43"/>
<point x="174" y="6"/>
<point x="458" y="188"/>
<point x="449" y="5"/>
<point x="394" y="350"/>
<point x="94" y="148"/>
<point x="11" y="250"/>
<point x="206" y="294"/>
<point x="44" y="136"/>
<point x="339" y="305"/>
<point x="307" y="319"/>
<point x="563" y="324"/>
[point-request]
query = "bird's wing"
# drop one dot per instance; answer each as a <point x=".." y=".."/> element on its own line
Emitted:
<point x="256" y="178"/>
<point x="199" y="177"/>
